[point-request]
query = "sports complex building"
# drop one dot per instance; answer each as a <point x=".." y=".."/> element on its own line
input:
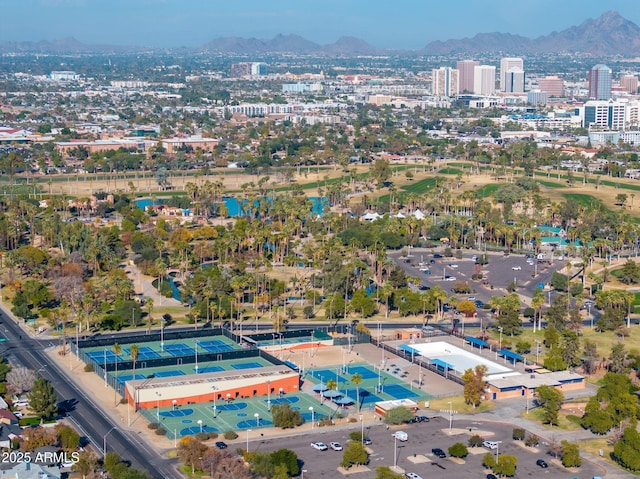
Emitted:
<point x="502" y="380"/>
<point x="211" y="379"/>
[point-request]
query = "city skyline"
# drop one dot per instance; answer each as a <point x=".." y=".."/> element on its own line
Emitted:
<point x="408" y="24"/>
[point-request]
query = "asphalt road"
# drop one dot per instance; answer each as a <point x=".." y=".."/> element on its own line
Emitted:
<point x="90" y="421"/>
<point x="422" y="438"/>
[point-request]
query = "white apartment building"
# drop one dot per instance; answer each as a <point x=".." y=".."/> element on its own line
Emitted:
<point x="444" y="82"/>
<point x="484" y="80"/>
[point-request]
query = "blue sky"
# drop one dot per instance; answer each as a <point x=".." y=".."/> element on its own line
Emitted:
<point x="383" y="23"/>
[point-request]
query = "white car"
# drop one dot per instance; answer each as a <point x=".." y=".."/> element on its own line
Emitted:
<point x="516" y="268"/>
<point x="336" y="446"/>
<point x="453" y="265"/>
<point x="449" y="278"/>
<point x="491" y="444"/>
<point x="411" y="475"/>
<point x="319" y="446"/>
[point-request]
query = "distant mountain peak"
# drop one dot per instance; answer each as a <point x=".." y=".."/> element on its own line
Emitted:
<point x="608" y="34"/>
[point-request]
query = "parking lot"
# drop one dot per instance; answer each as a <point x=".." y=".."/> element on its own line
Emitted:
<point x="415" y="454"/>
<point x="500" y="271"/>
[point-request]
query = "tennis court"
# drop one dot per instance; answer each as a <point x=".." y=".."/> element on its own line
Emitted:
<point x="155" y="350"/>
<point x="327" y="374"/>
<point x="186" y="369"/>
<point x="391" y="386"/>
<point x="399" y="392"/>
<point x="246" y="365"/>
<point x="232" y="415"/>
<point x="179" y="349"/>
<point x="363" y="371"/>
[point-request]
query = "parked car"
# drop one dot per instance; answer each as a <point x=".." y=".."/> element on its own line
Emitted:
<point x="221" y="445"/>
<point x="491" y="476"/>
<point x="411" y="475"/>
<point x="542" y="463"/>
<point x="453" y="265"/>
<point x="437" y="255"/>
<point x="336" y="446"/>
<point x="450" y="278"/>
<point x="319" y="446"/>
<point x="438" y="452"/>
<point x="516" y="268"/>
<point x="401" y="436"/>
<point x="491" y="444"/>
<point x="367" y="441"/>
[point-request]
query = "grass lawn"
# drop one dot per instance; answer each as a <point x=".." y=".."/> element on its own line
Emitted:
<point x="566" y="421"/>
<point x="551" y="184"/>
<point x="488" y="190"/>
<point x="450" y="171"/>
<point x="604" y="341"/>
<point x="583" y="199"/>
<point x="422" y="186"/>
<point x="458" y="405"/>
<point x="594" y="446"/>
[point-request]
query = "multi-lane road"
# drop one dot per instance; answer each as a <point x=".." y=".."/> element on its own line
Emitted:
<point x="86" y="415"/>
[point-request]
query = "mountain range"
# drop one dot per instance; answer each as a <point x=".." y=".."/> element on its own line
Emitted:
<point x="609" y="34"/>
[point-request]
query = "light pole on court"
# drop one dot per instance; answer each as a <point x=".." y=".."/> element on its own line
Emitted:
<point x="248" y="431"/>
<point x="257" y="416"/>
<point x="312" y="415"/>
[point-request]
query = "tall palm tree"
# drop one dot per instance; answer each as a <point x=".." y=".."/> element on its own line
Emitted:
<point x="134" y="351"/>
<point x="356" y="379"/>
<point x="148" y="302"/>
<point x="117" y="349"/>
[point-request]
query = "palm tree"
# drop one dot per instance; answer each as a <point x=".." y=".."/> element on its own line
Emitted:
<point x="134" y="350"/>
<point x="117" y="349"/>
<point x="148" y="302"/>
<point x="356" y="379"/>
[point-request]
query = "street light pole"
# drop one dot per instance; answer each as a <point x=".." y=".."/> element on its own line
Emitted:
<point x="395" y="452"/>
<point x="215" y="411"/>
<point x="257" y="416"/>
<point x="158" y="396"/>
<point x="104" y="441"/>
<point x="313" y="419"/>
<point x="268" y="394"/>
<point x="200" y="424"/>
<point x="498" y="450"/>
<point x="362" y="429"/>
<point x="537" y="350"/>
<point x="248" y="431"/>
<point x="450" y="416"/>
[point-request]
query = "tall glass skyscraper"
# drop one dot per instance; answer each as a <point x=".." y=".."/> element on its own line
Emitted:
<point x="600" y="82"/>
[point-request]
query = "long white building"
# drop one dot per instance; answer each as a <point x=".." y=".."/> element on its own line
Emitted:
<point x="484" y="80"/>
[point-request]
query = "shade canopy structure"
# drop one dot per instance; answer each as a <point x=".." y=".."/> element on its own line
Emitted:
<point x="343" y="400"/>
<point x="320" y="387"/>
<point x="331" y="393"/>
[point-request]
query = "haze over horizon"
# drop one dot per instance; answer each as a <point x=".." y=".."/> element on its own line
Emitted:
<point x="404" y="24"/>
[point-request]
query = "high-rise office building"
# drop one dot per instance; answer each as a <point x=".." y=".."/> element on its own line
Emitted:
<point x="465" y="74"/>
<point x="444" y="81"/>
<point x="600" y="82"/>
<point x="506" y="65"/>
<point x="537" y="98"/>
<point x="514" y="81"/>
<point x="552" y="86"/>
<point x="604" y="114"/>
<point x="484" y="79"/>
<point x="629" y="83"/>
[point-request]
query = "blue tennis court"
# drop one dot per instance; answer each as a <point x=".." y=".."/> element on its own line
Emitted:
<point x="365" y="396"/>
<point x="249" y="423"/>
<point x="193" y="430"/>
<point x="399" y="392"/>
<point x="232" y="406"/>
<point x="209" y="369"/>
<point x="168" y="374"/>
<point x="215" y="346"/>
<point x="177" y="413"/>
<point x="290" y="400"/>
<point x="179" y="349"/>
<point x="145" y="352"/>
<point x="104" y="356"/>
<point x="327" y="374"/>
<point x="250" y="365"/>
<point x="129" y="377"/>
<point x="363" y="371"/>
